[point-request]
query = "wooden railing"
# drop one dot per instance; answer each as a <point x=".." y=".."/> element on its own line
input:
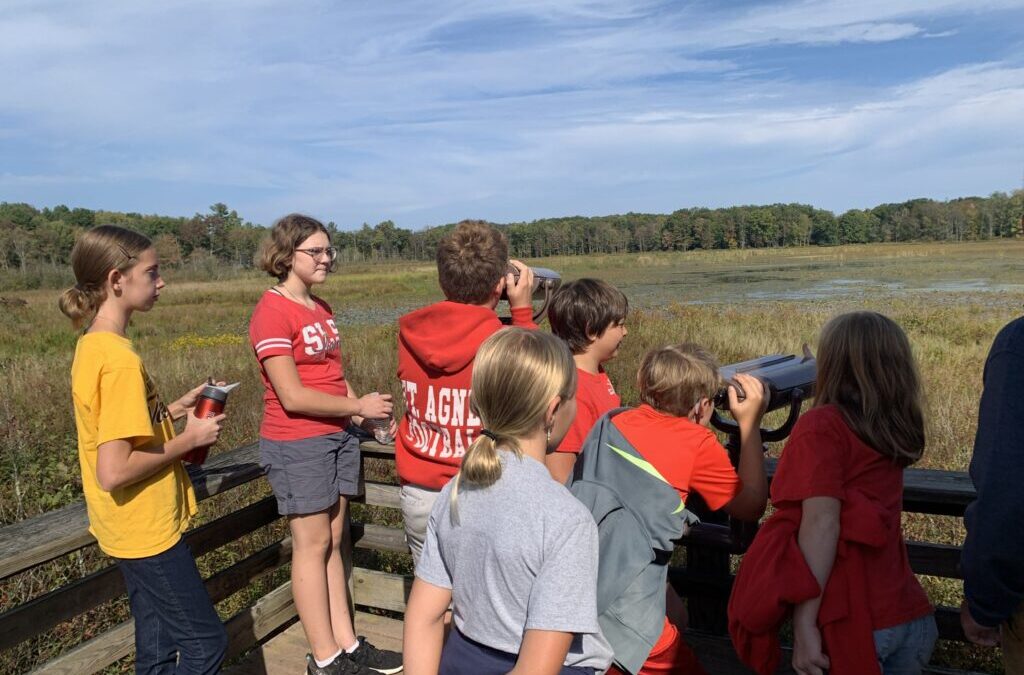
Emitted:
<point x="36" y="541"/>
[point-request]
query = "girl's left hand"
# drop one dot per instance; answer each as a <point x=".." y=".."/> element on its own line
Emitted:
<point x="808" y="657"/>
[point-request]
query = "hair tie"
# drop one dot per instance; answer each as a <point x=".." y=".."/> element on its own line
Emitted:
<point x="80" y="287"/>
<point x="489" y="434"/>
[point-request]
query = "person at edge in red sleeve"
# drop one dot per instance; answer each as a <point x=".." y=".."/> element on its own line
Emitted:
<point x="833" y="551"/>
<point x="590" y="316"/>
<point x="436" y="348"/>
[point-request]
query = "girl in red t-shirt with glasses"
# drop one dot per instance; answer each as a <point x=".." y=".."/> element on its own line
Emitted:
<point x="311" y="459"/>
<point x="838" y="490"/>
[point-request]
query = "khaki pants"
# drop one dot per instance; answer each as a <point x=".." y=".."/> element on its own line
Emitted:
<point x="1013" y="644"/>
<point x="417" y="503"/>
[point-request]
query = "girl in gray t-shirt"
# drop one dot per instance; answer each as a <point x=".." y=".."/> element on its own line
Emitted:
<point x="511" y="550"/>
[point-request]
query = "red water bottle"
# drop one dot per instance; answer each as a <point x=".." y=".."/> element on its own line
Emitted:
<point x="210" y="403"/>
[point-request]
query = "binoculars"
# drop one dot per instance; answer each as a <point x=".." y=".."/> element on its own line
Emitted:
<point x="788" y="379"/>
<point x="545" y="283"/>
<point x="785" y="377"/>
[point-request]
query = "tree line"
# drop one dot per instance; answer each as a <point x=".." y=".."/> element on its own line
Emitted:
<point x="33" y="238"/>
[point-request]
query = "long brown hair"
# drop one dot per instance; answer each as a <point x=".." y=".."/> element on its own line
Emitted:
<point x="96" y="253"/>
<point x="866" y="369"/>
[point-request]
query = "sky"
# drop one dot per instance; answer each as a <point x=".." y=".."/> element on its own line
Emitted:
<point x="430" y="112"/>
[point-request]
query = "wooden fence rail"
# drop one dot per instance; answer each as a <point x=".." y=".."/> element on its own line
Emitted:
<point x="36" y="541"/>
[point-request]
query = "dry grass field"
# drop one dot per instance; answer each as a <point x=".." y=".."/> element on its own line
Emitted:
<point x="950" y="298"/>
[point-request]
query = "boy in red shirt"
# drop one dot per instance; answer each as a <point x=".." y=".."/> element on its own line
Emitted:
<point x="436" y="348"/>
<point x="670" y="429"/>
<point x="590" y="316"/>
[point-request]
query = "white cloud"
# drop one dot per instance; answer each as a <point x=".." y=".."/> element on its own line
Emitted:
<point x="422" y="111"/>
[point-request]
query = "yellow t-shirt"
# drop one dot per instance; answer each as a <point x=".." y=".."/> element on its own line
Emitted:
<point x="115" y="398"/>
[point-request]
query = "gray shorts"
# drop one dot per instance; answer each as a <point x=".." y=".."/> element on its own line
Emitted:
<point x="308" y="475"/>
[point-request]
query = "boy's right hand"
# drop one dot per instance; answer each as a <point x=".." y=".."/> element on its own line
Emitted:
<point x="520" y="294"/>
<point x="375" y="406"/>
<point x="749" y="411"/>
<point x="204" y="431"/>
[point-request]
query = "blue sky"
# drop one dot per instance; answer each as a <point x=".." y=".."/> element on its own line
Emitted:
<point x="430" y="112"/>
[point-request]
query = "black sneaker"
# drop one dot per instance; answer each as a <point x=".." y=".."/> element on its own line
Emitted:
<point x="342" y="665"/>
<point x="378" y="660"/>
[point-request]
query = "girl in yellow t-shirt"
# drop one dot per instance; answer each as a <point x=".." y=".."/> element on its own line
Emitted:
<point x="137" y="493"/>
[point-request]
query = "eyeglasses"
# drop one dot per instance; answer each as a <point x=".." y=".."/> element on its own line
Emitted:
<point x="318" y="251"/>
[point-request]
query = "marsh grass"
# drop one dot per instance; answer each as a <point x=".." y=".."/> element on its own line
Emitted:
<point x="200" y="328"/>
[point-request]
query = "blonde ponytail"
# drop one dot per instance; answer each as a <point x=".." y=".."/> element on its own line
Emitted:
<point x="516" y="373"/>
<point x="481" y="465"/>
<point x="96" y="253"/>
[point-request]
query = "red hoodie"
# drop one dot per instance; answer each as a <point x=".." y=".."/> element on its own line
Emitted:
<point x="436" y="348"/>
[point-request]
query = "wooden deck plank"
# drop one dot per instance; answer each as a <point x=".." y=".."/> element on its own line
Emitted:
<point x="285" y="654"/>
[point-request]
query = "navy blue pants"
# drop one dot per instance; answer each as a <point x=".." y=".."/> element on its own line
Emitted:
<point x="177" y="630"/>
<point x="462" y="656"/>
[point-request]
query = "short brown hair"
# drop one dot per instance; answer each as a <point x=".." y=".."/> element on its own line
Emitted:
<point x="866" y="369"/>
<point x="471" y="261"/>
<point x="582" y="310"/>
<point x="276" y="251"/>
<point x="673" y="379"/>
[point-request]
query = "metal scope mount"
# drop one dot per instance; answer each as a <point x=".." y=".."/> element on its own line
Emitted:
<point x="789" y="381"/>
<point x="545" y="283"/>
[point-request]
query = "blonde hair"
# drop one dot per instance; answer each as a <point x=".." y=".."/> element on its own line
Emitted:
<point x="95" y="254"/>
<point x="674" y="378"/>
<point x="515" y="375"/>
<point x="866" y="369"/>
<point x="278" y="249"/>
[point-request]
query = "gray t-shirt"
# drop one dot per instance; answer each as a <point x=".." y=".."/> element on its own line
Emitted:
<point x="523" y="555"/>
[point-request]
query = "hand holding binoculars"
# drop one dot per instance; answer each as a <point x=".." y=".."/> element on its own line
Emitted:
<point x="545" y="283"/>
<point x="788" y="380"/>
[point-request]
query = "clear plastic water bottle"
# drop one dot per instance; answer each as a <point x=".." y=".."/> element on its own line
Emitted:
<point x="382" y="431"/>
<point x="381" y="428"/>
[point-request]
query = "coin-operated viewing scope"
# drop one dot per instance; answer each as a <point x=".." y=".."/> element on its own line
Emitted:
<point x="788" y="380"/>
<point x="545" y="283"/>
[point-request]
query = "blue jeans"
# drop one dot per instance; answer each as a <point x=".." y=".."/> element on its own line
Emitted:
<point x="905" y="649"/>
<point x="177" y="630"/>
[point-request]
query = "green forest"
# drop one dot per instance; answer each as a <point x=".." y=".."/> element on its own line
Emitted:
<point x="36" y="243"/>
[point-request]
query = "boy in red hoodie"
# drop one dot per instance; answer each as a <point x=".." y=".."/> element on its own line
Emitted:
<point x="436" y="348"/>
<point x="590" y="316"/>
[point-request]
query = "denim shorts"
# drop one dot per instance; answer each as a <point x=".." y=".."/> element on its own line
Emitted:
<point x="308" y="475"/>
<point x="906" y="649"/>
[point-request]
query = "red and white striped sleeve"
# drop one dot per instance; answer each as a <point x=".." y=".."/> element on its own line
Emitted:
<point x="270" y="332"/>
